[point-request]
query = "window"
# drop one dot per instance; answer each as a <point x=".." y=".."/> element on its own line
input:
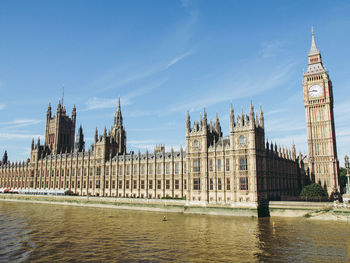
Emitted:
<point x="106" y="184"/>
<point x="143" y="169"/>
<point x="177" y="168"/>
<point x="128" y="169"/>
<point x="167" y="184"/>
<point x="243" y="164"/>
<point x="184" y="167"/>
<point x="219" y="184"/>
<point x="196" y="165"/>
<point x="185" y="184"/>
<point x="127" y="184"/>
<point x="113" y="184"/>
<point x="195" y="144"/>
<point x="107" y="171"/>
<point x="196" y="183"/>
<point x="84" y="184"/>
<point x="78" y="184"/>
<point x="227" y="164"/>
<point x="90" y="184"/>
<point x="135" y="170"/>
<point x="167" y="168"/>
<point x="176" y="184"/>
<point x="150" y="184"/>
<point x="121" y="170"/>
<point x="159" y="169"/>
<point x="242" y="140"/>
<point x="134" y="184"/>
<point x="211" y="184"/>
<point x="98" y="171"/>
<point x="210" y="165"/>
<point x="159" y="184"/>
<point x="243" y="183"/>
<point x="85" y="172"/>
<point x="120" y="184"/>
<point x="219" y="164"/>
<point x="91" y="172"/>
<point x="151" y="169"/>
<point x="228" y="185"/>
<point x="142" y="184"/>
<point x="72" y="184"/>
<point x="114" y="170"/>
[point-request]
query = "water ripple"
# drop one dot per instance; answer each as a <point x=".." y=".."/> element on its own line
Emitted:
<point x="50" y="233"/>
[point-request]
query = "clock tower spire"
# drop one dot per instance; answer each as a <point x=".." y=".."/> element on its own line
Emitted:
<point x="318" y="101"/>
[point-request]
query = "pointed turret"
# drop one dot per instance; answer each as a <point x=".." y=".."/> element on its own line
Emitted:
<point x="313" y="50"/>
<point x="261" y="118"/>
<point x="294" y="152"/>
<point x="314" y="54"/>
<point x="96" y="135"/>
<point x="74" y="114"/>
<point x="217" y="126"/>
<point x="48" y="114"/>
<point x="33" y="144"/>
<point x="205" y="122"/>
<point x="188" y="122"/>
<point x="79" y="141"/>
<point x="118" y="118"/>
<point x="105" y="133"/>
<point x="232" y="118"/>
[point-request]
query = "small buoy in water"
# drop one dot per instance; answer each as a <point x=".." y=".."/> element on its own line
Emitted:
<point x="164" y="218"/>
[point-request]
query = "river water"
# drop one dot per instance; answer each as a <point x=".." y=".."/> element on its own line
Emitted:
<point x="54" y="233"/>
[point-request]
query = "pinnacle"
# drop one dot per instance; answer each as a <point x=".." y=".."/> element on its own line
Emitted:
<point x="313" y="50"/>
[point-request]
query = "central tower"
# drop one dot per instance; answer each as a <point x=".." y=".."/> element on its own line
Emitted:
<point x="318" y="101"/>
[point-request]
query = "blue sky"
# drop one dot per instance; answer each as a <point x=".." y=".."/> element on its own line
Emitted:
<point x="164" y="58"/>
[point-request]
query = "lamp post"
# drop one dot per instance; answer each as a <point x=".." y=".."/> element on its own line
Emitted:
<point x="347" y="166"/>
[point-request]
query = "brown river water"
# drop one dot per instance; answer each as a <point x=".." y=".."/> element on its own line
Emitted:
<point x="54" y="233"/>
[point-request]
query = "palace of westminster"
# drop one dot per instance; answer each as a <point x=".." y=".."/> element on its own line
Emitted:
<point x="241" y="168"/>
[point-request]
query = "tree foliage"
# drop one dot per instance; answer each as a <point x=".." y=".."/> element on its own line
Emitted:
<point x="314" y="192"/>
<point x="342" y="177"/>
<point x="4" y="158"/>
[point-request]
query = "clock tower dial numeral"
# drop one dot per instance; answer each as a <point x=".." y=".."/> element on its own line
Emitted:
<point x="318" y="99"/>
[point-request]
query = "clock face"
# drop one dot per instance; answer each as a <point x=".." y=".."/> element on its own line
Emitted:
<point x="315" y="91"/>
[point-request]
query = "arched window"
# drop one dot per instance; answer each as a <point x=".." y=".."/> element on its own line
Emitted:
<point x="195" y="144"/>
<point x="242" y="140"/>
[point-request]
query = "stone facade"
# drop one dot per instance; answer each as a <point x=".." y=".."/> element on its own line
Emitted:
<point x="318" y="100"/>
<point x="238" y="169"/>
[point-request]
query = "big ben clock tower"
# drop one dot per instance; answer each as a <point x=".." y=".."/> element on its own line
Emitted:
<point x="318" y="101"/>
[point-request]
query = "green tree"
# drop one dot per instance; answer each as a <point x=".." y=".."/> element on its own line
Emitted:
<point x="4" y="158"/>
<point x="313" y="192"/>
<point x="342" y="177"/>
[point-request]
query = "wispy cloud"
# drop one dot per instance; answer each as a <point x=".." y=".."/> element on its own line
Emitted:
<point x="284" y="124"/>
<point x="244" y="87"/>
<point x="102" y="103"/>
<point x="105" y="103"/>
<point x="270" y="49"/>
<point x="11" y="136"/>
<point x="19" y="123"/>
<point x="177" y="59"/>
<point x="2" y="106"/>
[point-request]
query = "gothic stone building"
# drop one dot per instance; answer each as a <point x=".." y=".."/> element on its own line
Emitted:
<point x="240" y="168"/>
